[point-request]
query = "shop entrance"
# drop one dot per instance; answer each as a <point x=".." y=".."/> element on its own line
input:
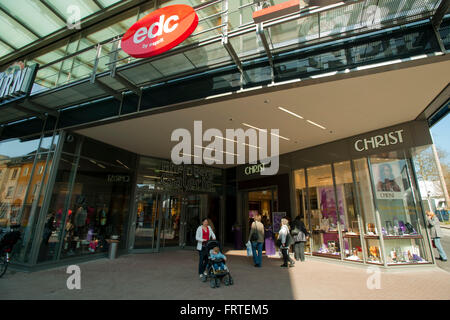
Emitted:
<point x="260" y="201"/>
<point x="165" y="220"/>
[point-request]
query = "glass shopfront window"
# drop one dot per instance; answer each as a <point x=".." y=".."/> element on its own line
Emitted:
<point x="90" y="200"/>
<point x="347" y="211"/>
<point x="324" y="213"/>
<point x="401" y="218"/>
<point x="170" y="202"/>
<point x="366" y="210"/>
<point x="24" y="170"/>
<point x="368" y="217"/>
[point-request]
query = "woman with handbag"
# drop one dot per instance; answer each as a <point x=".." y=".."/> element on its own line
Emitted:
<point x="256" y="238"/>
<point x="436" y="233"/>
<point x="284" y="242"/>
<point x="300" y="235"/>
<point x="203" y="234"/>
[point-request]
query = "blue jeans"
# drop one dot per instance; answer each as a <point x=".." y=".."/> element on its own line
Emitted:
<point x="437" y="243"/>
<point x="257" y="258"/>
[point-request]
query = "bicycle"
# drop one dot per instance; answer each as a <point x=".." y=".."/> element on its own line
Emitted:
<point x="7" y="243"/>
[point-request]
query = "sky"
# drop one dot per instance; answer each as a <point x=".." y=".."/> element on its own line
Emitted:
<point x="441" y="135"/>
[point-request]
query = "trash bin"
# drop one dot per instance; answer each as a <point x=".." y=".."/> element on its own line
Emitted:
<point x="113" y="246"/>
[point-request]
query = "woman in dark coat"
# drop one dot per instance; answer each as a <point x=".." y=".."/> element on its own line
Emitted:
<point x="299" y="238"/>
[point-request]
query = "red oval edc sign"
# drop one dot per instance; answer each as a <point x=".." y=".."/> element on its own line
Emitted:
<point x="160" y="31"/>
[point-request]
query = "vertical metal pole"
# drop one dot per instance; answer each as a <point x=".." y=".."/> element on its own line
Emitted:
<point x="338" y="215"/>
<point x="71" y="184"/>
<point x="422" y="215"/>
<point x="377" y="214"/>
<point x="359" y="212"/>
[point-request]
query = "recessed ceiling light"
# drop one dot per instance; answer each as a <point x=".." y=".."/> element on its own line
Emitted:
<point x="290" y="112"/>
<point x="264" y="130"/>
<point x="317" y="125"/>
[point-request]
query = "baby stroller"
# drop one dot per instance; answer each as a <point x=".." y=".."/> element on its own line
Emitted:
<point x="214" y="275"/>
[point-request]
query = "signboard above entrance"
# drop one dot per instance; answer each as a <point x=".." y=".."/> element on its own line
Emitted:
<point x="160" y="31"/>
<point x="288" y="7"/>
<point x="16" y="82"/>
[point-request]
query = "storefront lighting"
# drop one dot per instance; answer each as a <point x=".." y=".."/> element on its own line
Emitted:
<point x="290" y="112"/>
<point x="118" y="161"/>
<point x="317" y="125"/>
<point x="376" y="65"/>
<point x="264" y="130"/>
<point x="214" y="150"/>
<point x="329" y="74"/>
<point x="245" y="144"/>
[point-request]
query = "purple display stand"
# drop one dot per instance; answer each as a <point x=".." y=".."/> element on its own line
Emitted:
<point x="269" y="242"/>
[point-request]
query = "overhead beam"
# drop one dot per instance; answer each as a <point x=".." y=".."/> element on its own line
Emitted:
<point x="441" y="11"/>
<point x="20" y="23"/>
<point x="263" y="38"/>
<point x="128" y="84"/>
<point x="31" y="105"/>
<point x="235" y="57"/>
<point x="54" y="11"/>
<point x="29" y="111"/>
<point x="108" y="90"/>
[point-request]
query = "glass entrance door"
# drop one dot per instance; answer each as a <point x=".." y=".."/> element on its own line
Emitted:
<point x="148" y="213"/>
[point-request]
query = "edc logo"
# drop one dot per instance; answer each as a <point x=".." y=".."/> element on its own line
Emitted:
<point x="160" y="31"/>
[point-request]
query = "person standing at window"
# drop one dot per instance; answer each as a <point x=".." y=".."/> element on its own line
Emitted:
<point x="300" y="235"/>
<point x="203" y="234"/>
<point x="436" y="233"/>
<point x="256" y="237"/>
<point x="285" y="240"/>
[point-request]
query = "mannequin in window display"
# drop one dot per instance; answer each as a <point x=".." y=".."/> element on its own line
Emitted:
<point x="387" y="182"/>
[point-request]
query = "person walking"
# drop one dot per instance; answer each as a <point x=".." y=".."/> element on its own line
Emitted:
<point x="300" y="235"/>
<point x="436" y="233"/>
<point x="203" y="234"/>
<point x="256" y="238"/>
<point x="285" y="240"/>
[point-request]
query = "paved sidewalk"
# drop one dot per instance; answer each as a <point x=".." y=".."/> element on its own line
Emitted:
<point x="172" y="275"/>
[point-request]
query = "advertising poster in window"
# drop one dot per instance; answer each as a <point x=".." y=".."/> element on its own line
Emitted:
<point x="277" y="216"/>
<point x="388" y="180"/>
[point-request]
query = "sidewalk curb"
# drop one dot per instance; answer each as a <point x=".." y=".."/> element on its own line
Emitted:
<point x="445" y="226"/>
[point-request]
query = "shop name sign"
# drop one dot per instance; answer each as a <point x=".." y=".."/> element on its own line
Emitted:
<point x="256" y="168"/>
<point x="375" y="142"/>
<point x="16" y="83"/>
<point x="185" y="178"/>
<point x="160" y="31"/>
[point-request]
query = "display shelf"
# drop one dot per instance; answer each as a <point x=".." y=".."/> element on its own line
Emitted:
<point x="408" y="263"/>
<point x="321" y="231"/>
<point x="352" y="236"/>
<point x="415" y="236"/>
<point x="371" y="237"/>
<point x="326" y="255"/>
<point x="376" y="263"/>
<point x="351" y="260"/>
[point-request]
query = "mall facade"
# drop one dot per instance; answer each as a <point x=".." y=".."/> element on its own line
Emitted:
<point x="352" y="86"/>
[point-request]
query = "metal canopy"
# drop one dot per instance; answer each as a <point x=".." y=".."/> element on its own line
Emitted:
<point x="29" y="21"/>
<point x="103" y="70"/>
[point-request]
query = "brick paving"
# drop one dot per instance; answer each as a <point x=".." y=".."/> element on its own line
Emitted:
<point x="172" y="275"/>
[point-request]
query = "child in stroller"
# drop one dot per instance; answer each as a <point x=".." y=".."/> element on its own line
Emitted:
<point x="216" y="268"/>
